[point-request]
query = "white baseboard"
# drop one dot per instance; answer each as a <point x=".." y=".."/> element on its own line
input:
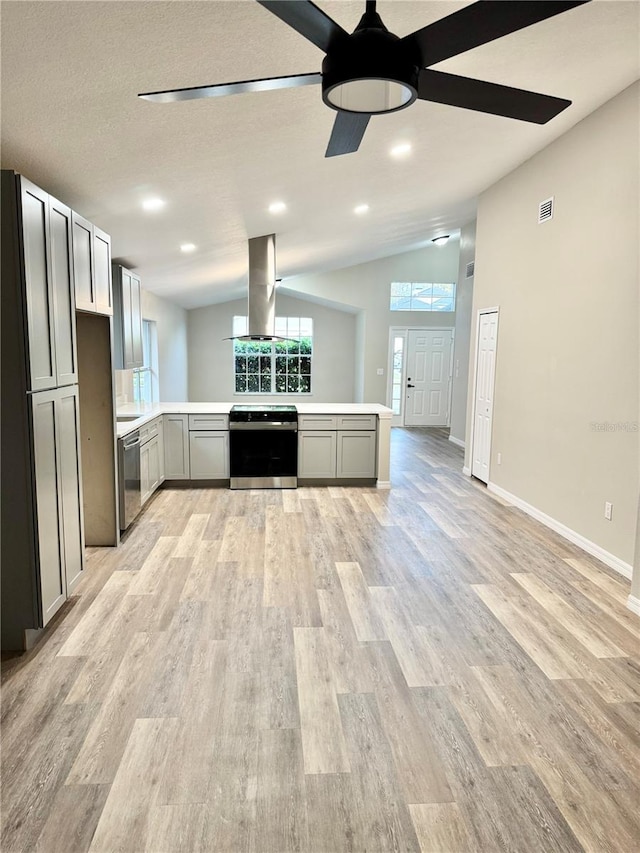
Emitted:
<point x="456" y="441"/>
<point x="383" y="484"/>
<point x="466" y="471"/>
<point x="633" y="604"/>
<point x="582" y="542"/>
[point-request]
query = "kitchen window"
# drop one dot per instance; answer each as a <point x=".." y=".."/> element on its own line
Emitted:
<point x="145" y="378"/>
<point x="274" y="367"/>
<point x="422" y="296"/>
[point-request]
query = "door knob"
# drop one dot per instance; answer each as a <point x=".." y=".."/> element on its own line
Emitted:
<point x="411" y="386"/>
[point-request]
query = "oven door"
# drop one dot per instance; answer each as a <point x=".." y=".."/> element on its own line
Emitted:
<point x="263" y="457"/>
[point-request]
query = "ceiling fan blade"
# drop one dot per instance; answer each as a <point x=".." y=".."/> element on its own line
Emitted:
<point x="347" y="133"/>
<point x="307" y="19"/>
<point x="193" y="92"/>
<point x="488" y="97"/>
<point x="480" y="23"/>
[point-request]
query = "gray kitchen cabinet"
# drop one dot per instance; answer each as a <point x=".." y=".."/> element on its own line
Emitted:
<point x="61" y="257"/>
<point x="160" y="451"/>
<point x="40" y="325"/>
<point x="102" y="271"/>
<point x="337" y="447"/>
<point x="209" y="454"/>
<point x="176" y="447"/>
<point x="317" y="454"/>
<point x="149" y="469"/>
<point x="91" y="267"/>
<point x="127" y="319"/>
<point x="58" y="497"/>
<point x="83" y="263"/>
<point x="356" y="454"/>
<point x="215" y="422"/>
<point x="151" y="447"/>
<point x="44" y="253"/>
<point x="311" y="422"/>
<point x="68" y="443"/>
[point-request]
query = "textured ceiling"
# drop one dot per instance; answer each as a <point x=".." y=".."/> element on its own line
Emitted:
<point x="71" y="122"/>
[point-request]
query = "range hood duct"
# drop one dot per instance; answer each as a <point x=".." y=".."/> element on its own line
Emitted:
<point x="262" y="290"/>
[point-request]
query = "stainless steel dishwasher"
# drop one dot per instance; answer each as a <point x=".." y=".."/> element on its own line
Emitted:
<point x="129" y="478"/>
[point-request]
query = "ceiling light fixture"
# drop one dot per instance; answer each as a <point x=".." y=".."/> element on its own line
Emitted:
<point x="152" y="204"/>
<point x="361" y="208"/>
<point x="375" y="75"/>
<point x="440" y="241"/>
<point x="277" y="207"/>
<point x="187" y="247"/>
<point x="401" y="150"/>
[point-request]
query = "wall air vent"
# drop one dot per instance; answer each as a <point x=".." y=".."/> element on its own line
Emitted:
<point x="470" y="268"/>
<point x="545" y="211"/>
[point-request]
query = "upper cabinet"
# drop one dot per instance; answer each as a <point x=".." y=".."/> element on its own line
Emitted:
<point x="102" y="271"/>
<point x="127" y="325"/>
<point x="43" y="259"/>
<point x="92" y="267"/>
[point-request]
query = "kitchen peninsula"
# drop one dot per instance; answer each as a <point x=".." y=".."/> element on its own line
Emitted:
<point x="341" y="442"/>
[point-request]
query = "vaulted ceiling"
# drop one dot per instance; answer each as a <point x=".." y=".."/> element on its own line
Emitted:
<point x="72" y="123"/>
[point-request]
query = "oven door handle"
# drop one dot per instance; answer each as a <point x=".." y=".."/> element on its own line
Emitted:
<point x="256" y="426"/>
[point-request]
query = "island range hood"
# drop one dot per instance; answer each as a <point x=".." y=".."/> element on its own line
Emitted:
<point x="262" y="291"/>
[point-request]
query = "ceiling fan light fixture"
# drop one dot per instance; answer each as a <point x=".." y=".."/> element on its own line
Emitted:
<point x="369" y="72"/>
<point x="370" y="95"/>
<point x="440" y="241"/>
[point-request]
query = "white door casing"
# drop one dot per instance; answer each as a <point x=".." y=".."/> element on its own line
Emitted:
<point x="428" y="375"/>
<point x="483" y="393"/>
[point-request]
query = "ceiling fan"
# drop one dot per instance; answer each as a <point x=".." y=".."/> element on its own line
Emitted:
<point x="372" y="71"/>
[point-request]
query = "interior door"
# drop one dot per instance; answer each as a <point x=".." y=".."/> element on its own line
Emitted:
<point x="428" y="384"/>
<point x="483" y="400"/>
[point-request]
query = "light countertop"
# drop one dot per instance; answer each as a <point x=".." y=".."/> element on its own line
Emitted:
<point x="146" y="412"/>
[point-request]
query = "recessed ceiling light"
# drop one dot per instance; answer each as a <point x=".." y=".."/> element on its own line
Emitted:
<point x="440" y="241"/>
<point x="361" y="208"/>
<point x="187" y="247"/>
<point x="401" y="150"/>
<point x="277" y="207"/>
<point x="151" y="204"/>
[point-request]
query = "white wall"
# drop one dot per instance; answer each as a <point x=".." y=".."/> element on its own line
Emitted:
<point x="464" y="300"/>
<point x="171" y="321"/>
<point x="365" y="287"/>
<point x="568" y="340"/>
<point x="211" y="357"/>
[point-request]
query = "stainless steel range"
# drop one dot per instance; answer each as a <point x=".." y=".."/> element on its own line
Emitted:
<point x="263" y="447"/>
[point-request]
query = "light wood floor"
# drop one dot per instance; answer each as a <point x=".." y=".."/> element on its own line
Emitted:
<point x="327" y="670"/>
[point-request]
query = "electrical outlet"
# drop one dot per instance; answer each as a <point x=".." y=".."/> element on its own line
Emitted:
<point x="499" y="458"/>
<point x="608" y="510"/>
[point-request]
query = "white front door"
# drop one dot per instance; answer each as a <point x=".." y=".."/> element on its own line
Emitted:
<point x="428" y="384"/>
<point x="485" y="380"/>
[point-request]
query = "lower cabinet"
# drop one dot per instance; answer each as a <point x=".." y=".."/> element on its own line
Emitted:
<point x="58" y="497"/>
<point x="196" y="447"/>
<point x="151" y="458"/>
<point x="317" y="454"/>
<point x="356" y="455"/>
<point x="176" y="447"/>
<point x="209" y="454"/>
<point x="149" y="468"/>
<point x="160" y="451"/>
<point x="337" y="447"/>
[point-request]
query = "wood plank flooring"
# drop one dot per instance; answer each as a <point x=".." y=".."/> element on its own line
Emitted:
<point x="331" y="670"/>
